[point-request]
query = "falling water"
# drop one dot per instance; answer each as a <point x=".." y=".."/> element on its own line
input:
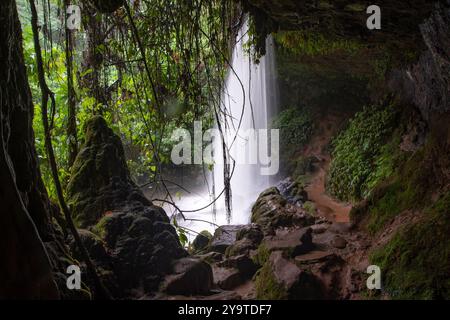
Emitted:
<point x="250" y="91"/>
<point x="250" y="101"/>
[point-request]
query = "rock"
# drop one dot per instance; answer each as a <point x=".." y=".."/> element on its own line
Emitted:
<point x="138" y="241"/>
<point x="189" y="276"/>
<point x="314" y="257"/>
<point x="248" y="238"/>
<point x="242" y="246"/>
<point x="100" y="181"/>
<point x="279" y="278"/>
<point x="339" y="242"/>
<point x="227" y="278"/>
<point x="425" y="84"/>
<point x="306" y="243"/>
<point x="243" y="263"/>
<point x="252" y="232"/>
<point x="201" y="240"/>
<point x="211" y="257"/>
<point x="285" y="240"/>
<point x="94" y="246"/>
<point x="340" y="227"/>
<point x="319" y="228"/>
<point x="272" y="210"/>
<point x="223" y="237"/>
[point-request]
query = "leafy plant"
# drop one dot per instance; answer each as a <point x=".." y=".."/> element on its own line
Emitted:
<point x="295" y="127"/>
<point x="360" y="158"/>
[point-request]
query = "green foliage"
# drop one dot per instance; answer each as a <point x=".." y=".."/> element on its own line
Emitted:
<point x="295" y="127"/>
<point x="360" y="160"/>
<point x="415" y="261"/>
<point x="315" y="44"/>
<point x="408" y="188"/>
<point x="184" y="240"/>
<point x="185" y="54"/>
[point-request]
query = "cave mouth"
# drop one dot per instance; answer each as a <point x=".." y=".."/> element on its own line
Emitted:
<point x="228" y="150"/>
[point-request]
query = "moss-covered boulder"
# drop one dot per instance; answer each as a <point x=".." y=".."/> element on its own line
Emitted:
<point x="139" y="241"/>
<point x="100" y="180"/>
<point x="281" y="279"/>
<point x="273" y="210"/>
<point x="201" y="240"/>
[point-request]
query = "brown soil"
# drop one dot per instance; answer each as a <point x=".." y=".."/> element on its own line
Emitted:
<point x="326" y="205"/>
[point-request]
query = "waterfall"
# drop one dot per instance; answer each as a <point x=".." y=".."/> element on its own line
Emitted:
<point x="249" y="86"/>
<point x="250" y="100"/>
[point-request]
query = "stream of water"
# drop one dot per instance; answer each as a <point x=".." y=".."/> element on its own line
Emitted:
<point x="250" y="100"/>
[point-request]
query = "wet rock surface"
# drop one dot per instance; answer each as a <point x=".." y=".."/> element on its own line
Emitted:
<point x="128" y="237"/>
<point x="189" y="276"/>
<point x="224" y="237"/>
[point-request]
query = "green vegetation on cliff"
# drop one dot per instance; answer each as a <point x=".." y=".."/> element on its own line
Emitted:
<point x="415" y="261"/>
<point x="361" y="157"/>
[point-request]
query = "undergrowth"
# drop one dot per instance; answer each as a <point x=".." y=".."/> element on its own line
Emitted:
<point x="415" y="262"/>
<point x="362" y="158"/>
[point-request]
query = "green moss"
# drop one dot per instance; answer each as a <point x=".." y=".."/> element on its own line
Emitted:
<point x="415" y="263"/>
<point x="313" y="44"/>
<point x="100" y="228"/>
<point x="408" y="189"/>
<point x="310" y="207"/>
<point x="267" y="288"/>
<point x="262" y="255"/>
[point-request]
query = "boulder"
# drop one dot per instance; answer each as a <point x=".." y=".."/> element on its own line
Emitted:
<point x="314" y="257"/>
<point x="227" y="278"/>
<point x="128" y="236"/>
<point x="201" y="240"/>
<point x="243" y="263"/>
<point x="252" y="232"/>
<point x="190" y="276"/>
<point x="306" y="243"/>
<point x="273" y="210"/>
<point x="224" y="237"/>
<point x="100" y="181"/>
<point x="280" y="278"/>
<point x="339" y="242"/>
<point x="248" y="238"/>
<point x="94" y="245"/>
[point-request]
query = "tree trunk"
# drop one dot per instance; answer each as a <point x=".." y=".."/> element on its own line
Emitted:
<point x="25" y="271"/>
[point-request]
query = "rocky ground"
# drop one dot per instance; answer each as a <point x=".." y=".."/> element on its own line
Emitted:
<point x="300" y="244"/>
<point x="293" y="248"/>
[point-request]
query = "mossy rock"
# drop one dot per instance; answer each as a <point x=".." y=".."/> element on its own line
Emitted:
<point x="281" y="279"/>
<point x="100" y="181"/>
<point x="201" y="240"/>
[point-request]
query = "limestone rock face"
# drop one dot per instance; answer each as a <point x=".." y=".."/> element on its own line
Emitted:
<point x="138" y="240"/>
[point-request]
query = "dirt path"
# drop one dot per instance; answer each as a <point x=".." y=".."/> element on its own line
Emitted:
<point x="326" y="206"/>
